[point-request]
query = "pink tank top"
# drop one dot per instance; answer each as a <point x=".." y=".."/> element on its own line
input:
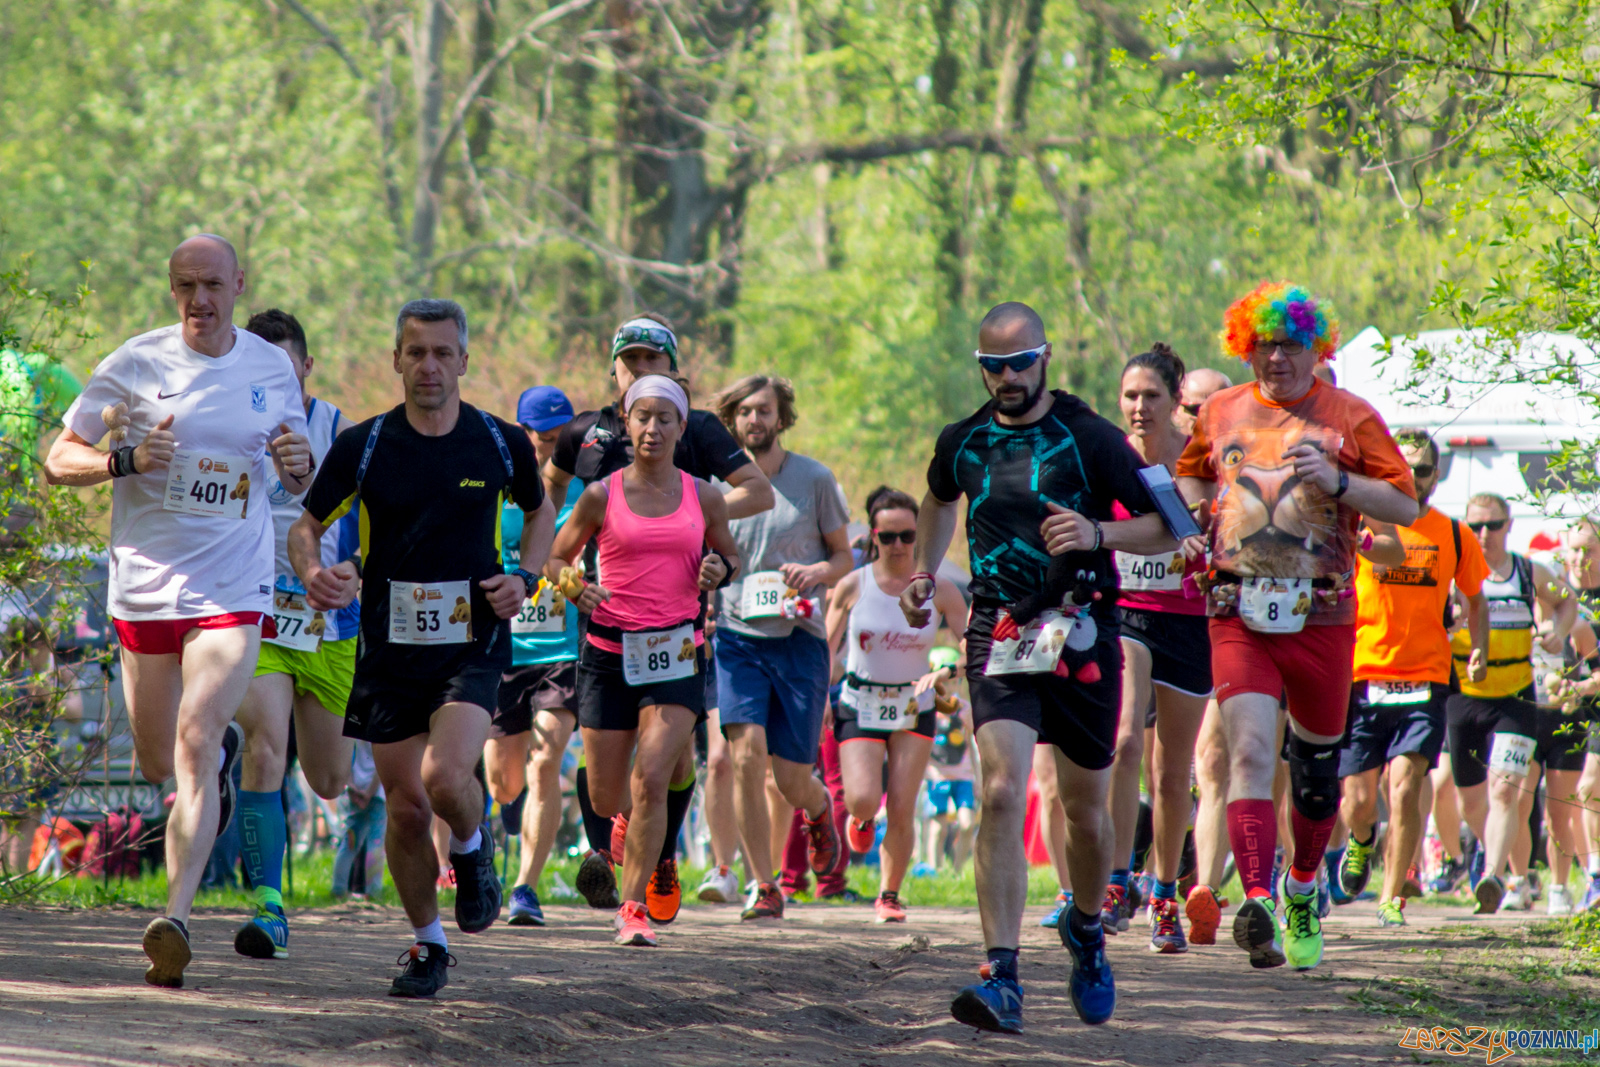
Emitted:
<point x="1164" y="583"/>
<point x="651" y="567"/>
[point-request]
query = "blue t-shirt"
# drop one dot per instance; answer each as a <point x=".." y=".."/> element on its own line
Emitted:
<point x="529" y="649"/>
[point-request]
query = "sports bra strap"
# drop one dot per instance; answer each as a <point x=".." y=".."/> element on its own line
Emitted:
<point x="499" y="442"/>
<point x="372" y="443"/>
<point x="377" y="427"/>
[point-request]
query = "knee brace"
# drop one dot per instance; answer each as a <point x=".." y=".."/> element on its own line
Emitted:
<point x="1314" y="778"/>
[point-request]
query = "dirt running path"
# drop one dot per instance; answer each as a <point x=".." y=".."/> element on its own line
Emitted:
<point x="826" y="987"/>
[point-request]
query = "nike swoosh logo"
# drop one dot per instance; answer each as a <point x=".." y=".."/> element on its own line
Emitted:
<point x="167" y="396"/>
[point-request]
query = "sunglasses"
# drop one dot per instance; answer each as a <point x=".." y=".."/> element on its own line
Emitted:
<point x="1425" y="470"/>
<point x="1492" y="525"/>
<point x="1288" y="348"/>
<point x="657" y="337"/>
<point x="889" y="537"/>
<point x="1017" y="361"/>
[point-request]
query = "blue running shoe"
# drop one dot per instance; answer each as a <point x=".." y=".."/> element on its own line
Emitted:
<point x="1324" y="899"/>
<point x="1063" y="902"/>
<point x="1591" y="896"/>
<point x="265" y="937"/>
<point x="1331" y="861"/>
<point x="995" y="1004"/>
<point x="1475" y="866"/>
<point x="525" y="910"/>
<point x="1094" y="994"/>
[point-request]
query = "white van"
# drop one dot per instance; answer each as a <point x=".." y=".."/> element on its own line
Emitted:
<point x="1496" y="438"/>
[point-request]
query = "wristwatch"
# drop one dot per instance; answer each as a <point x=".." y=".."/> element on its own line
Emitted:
<point x="529" y="579"/>
<point x="1344" y="484"/>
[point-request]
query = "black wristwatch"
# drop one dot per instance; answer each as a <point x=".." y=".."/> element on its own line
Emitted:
<point x="529" y="579"/>
<point x="1344" y="484"/>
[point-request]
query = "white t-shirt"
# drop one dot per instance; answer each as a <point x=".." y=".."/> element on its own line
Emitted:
<point x="170" y="564"/>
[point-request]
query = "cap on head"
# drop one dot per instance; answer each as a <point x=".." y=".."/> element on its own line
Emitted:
<point x="544" y="407"/>
<point x="646" y="333"/>
<point x="1272" y="308"/>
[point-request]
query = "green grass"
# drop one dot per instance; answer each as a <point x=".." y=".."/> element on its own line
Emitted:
<point x="312" y="876"/>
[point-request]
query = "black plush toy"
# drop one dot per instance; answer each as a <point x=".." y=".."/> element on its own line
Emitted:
<point x="1071" y="584"/>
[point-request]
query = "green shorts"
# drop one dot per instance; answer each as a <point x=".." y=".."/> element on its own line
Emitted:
<point x="326" y="673"/>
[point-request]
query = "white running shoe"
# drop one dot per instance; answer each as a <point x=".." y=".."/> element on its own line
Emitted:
<point x="1559" y="902"/>
<point x="719" y="887"/>
<point x="1518" y="897"/>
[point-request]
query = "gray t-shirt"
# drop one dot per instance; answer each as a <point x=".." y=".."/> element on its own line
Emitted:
<point x="808" y="504"/>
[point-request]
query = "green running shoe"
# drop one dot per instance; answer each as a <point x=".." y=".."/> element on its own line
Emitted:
<point x="1255" y="929"/>
<point x="1392" y="912"/>
<point x="1302" y="931"/>
<point x="1357" y="866"/>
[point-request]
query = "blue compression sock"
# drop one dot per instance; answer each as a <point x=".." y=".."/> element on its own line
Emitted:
<point x="1166" y="891"/>
<point x="264" y="833"/>
<point x="1120" y="877"/>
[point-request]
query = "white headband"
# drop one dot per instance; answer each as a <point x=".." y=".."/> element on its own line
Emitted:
<point x="661" y="387"/>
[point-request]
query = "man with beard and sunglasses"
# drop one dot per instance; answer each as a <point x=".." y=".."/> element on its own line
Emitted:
<point x="1040" y="471"/>
<point x="1401" y="679"/>
<point x="1493" y="722"/>
<point x="771" y="657"/>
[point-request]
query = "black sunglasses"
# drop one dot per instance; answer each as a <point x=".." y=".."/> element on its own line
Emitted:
<point x="889" y="537"/>
<point x="1425" y="470"/>
<point x="1492" y="525"/>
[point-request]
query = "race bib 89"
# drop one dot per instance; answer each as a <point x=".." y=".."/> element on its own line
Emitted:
<point x="659" y="655"/>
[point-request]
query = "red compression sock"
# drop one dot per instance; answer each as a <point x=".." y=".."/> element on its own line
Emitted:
<point x="1253" y="833"/>
<point x="1310" y="841"/>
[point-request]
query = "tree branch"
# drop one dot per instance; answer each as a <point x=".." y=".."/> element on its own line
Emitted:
<point x="327" y="34"/>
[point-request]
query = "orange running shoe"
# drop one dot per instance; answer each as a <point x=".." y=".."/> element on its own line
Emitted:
<point x="664" y="896"/>
<point x="619" y="837"/>
<point x="633" y="925"/>
<point x="889" y="908"/>
<point x="822" y="845"/>
<point x="1204" y="912"/>
<point x="767" y="904"/>
<point x="1412" y="886"/>
<point x="862" y="835"/>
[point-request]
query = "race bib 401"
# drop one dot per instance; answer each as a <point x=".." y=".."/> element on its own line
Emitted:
<point x="208" y="483"/>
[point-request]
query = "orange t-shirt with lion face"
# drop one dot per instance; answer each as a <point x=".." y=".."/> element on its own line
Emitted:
<point x="1268" y="523"/>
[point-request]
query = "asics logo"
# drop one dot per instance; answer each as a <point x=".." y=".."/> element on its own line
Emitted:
<point x="468" y="483"/>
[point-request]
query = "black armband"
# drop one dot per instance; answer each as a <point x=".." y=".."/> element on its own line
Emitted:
<point x="120" y="463"/>
<point x="727" y="576"/>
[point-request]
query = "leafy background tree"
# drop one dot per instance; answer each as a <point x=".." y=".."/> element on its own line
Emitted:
<point x="833" y="189"/>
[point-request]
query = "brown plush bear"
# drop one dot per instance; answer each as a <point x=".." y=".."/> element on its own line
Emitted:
<point x="319" y="625"/>
<point x="463" y="611"/>
<point x="687" y="652"/>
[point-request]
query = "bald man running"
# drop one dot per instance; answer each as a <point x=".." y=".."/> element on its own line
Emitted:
<point x="206" y="407"/>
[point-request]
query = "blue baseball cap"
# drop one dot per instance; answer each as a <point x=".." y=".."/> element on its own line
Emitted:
<point x="544" y="407"/>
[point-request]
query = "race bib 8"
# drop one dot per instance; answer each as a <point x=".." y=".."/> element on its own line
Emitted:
<point x="1275" y="605"/>
<point x="208" y="483"/>
<point x="1036" y="651"/>
<point x="1386" y="694"/>
<point x="1162" y="573"/>
<point x="885" y="707"/>
<point x="1511" y="754"/>
<point x="543" y="613"/>
<point x="659" y="655"/>
<point x="300" y="627"/>
<point x="430" y="613"/>
<point x="763" y="595"/>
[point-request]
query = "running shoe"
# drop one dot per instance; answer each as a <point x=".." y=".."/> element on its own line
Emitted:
<point x="861" y="836"/>
<point x="1490" y="891"/>
<point x="1392" y="912"/>
<point x="619" y="837"/>
<point x="994" y="1004"/>
<point x="166" y="943"/>
<point x="425" y="974"/>
<point x="1412" y="886"/>
<point x="1324" y="899"/>
<point x="1517" y="897"/>
<point x="633" y="925"/>
<point x="1094" y="993"/>
<point x="1302" y="931"/>
<point x="227" y="792"/>
<point x="888" y="907"/>
<point x="597" y="881"/>
<point x="525" y="909"/>
<point x="1330" y="867"/>
<point x="1559" y="901"/>
<point x="1255" y="929"/>
<point x="265" y="937"/>
<point x="822" y="845"/>
<point x="843" y="896"/>
<point x="1204" y="914"/>
<point x="719" y="887"/>
<point x="1475" y="862"/>
<point x="478" y="891"/>
<point x="1063" y="902"/>
<point x="1356" y="869"/>
<point x="1114" y="911"/>
<point x="1141" y="888"/>
<point x="447" y="879"/>
<point x="511" y="814"/>
<point x="663" y="896"/>
<point x="765" y="903"/>
<point x="1167" y="938"/>
<point x="1449" y="877"/>
<point x="1591" y="895"/>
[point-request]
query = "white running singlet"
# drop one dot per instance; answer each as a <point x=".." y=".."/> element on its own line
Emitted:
<point x="882" y="646"/>
<point x="170" y="564"/>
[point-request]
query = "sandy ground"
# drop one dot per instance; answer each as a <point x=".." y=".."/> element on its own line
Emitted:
<point x="826" y="986"/>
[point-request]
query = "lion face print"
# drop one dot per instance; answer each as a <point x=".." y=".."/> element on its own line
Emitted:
<point x="1268" y="521"/>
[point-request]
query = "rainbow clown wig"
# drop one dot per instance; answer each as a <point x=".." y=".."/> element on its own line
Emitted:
<point x="1279" y="306"/>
